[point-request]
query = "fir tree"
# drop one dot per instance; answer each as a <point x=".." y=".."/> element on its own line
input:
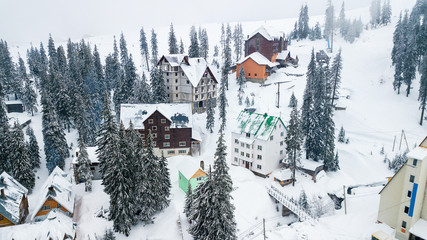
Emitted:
<point x="210" y="115"/>
<point x="375" y="10"/>
<point x="241" y="81"/>
<point x="204" y="44"/>
<point x="144" y="48"/>
<point x="336" y="75"/>
<point x="293" y="101"/>
<point x="331" y="163"/>
<point x="29" y="94"/>
<point x="247" y="102"/>
<point x="222" y="103"/>
<point x="181" y="47"/>
<point x="238" y="41"/>
<point x="124" y="55"/>
<point x="341" y="21"/>
<point x="108" y="235"/>
<point x="158" y="87"/>
<point x="33" y="148"/>
<point x="329" y="20"/>
<point x="303" y="28"/>
<point x="165" y="183"/>
<point x="422" y="94"/>
<point x="216" y="51"/>
<point x="386" y="13"/>
<point x="22" y="169"/>
<point x="84" y="172"/>
<point x="397" y="53"/>
<point x="303" y="201"/>
<point x="410" y="56"/>
<point x="193" y="50"/>
<point x="341" y="135"/>
<point x="4" y="136"/>
<point x="154" y="49"/>
<point x="226" y="56"/>
<point x="188" y="201"/>
<point x="293" y="141"/>
<point x="173" y="45"/>
<point x="308" y="96"/>
<point x="317" y="31"/>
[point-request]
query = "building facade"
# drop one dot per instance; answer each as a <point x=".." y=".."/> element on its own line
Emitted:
<point x="257" y="68"/>
<point x="13" y="201"/>
<point x="189" y="80"/>
<point x="258" y="143"/>
<point x="94" y="164"/>
<point x="403" y="204"/>
<point x="170" y="126"/>
<point x="263" y="42"/>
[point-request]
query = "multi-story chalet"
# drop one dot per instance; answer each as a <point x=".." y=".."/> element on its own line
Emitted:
<point x="13" y="201"/>
<point x="189" y="80"/>
<point x="256" y="67"/>
<point x="266" y="44"/>
<point x="56" y="226"/>
<point x="94" y="164"/>
<point x="170" y="125"/>
<point x="258" y="143"/>
<point x="56" y="193"/>
<point x="403" y="204"/>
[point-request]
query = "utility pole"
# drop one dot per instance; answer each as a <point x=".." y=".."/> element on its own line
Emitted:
<point x="394" y="141"/>
<point x="345" y="201"/>
<point x="263" y="224"/>
<point x="401" y="136"/>
<point x="278" y="92"/>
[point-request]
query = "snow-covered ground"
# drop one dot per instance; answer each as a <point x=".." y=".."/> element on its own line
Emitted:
<point x="374" y="116"/>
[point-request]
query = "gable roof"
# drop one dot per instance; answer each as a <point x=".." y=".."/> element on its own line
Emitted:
<point x="261" y="30"/>
<point x="14" y="192"/>
<point x="62" y="191"/>
<point x="92" y="155"/>
<point x="259" y="125"/>
<point x="56" y="226"/>
<point x="188" y="168"/>
<point x="259" y="59"/>
<point x="180" y="114"/>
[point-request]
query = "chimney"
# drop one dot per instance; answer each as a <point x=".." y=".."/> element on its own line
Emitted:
<point x="51" y="189"/>
<point x="2" y="180"/>
<point x="77" y="154"/>
<point x="202" y="165"/>
<point x="198" y="60"/>
<point x="2" y="193"/>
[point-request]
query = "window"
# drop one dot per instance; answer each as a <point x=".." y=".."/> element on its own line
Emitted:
<point x="213" y="87"/>
<point x="248" y="146"/>
<point x="248" y="135"/>
<point x="154" y="135"/>
<point x="282" y="133"/>
<point x="166" y="144"/>
<point x="167" y="74"/>
<point x="271" y="138"/>
<point x="182" y="74"/>
<point x="259" y="157"/>
<point x="242" y="144"/>
<point x="167" y="89"/>
<point x="281" y="152"/>
<point x="92" y="169"/>
<point x="175" y="69"/>
<point x="188" y="82"/>
<point x="182" y="144"/>
<point x="403" y="224"/>
<point x="249" y="74"/>
<point x="409" y="194"/>
<point x="176" y="88"/>
<point x="59" y="206"/>
<point x="236" y="141"/>
<point x="202" y="96"/>
<point x="414" y="162"/>
<point x="242" y="153"/>
<point x="171" y="152"/>
<point x="176" y="74"/>
<point x="167" y="136"/>
<point x="235" y="159"/>
<point x="154" y="128"/>
<point x="163" y="120"/>
<point x="44" y="208"/>
<point x="248" y="155"/>
<point x="199" y="179"/>
<point x="1" y="218"/>
<point x="411" y="178"/>
<point x="197" y="97"/>
<point x="168" y="93"/>
<point x="176" y="80"/>
<point x="150" y="121"/>
<point x="258" y="166"/>
<point x="176" y="95"/>
<point x="281" y="143"/>
<point x="236" y="150"/>
<point x="260" y="147"/>
<point x="166" y="128"/>
<point x="255" y="74"/>
<point x="154" y="143"/>
<point x="182" y="151"/>
<point x="406" y="210"/>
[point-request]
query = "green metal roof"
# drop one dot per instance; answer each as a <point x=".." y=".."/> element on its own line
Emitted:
<point x="259" y="125"/>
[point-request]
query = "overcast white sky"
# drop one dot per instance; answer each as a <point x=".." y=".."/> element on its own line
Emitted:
<point x="22" y="21"/>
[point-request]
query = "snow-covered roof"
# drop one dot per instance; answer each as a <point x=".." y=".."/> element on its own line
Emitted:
<point x="62" y="191"/>
<point x="283" y="174"/>
<point x="282" y="55"/>
<point x="180" y="114"/>
<point x="261" y="30"/>
<point x="420" y="228"/>
<point x="13" y="191"/>
<point x="259" y="125"/>
<point x="189" y="167"/>
<point x="91" y="152"/>
<point x="259" y="59"/>
<point x="310" y="165"/>
<point x="174" y="59"/>
<point x="56" y="226"/>
<point x="417" y="153"/>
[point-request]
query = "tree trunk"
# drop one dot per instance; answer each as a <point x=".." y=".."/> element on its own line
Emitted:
<point x="423" y="107"/>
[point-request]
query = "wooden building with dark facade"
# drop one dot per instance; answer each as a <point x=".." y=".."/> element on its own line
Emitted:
<point x="170" y="125"/>
<point x="261" y="41"/>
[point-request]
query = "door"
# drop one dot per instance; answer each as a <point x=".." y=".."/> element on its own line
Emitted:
<point x="247" y="165"/>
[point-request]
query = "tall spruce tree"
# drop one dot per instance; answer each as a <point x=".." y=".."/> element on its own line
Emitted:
<point x="29" y="94"/>
<point x="181" y="47"/>
<point x="422" y="93"/>
<point x="4" y="135"/>
<point x="386" y="13"/>
<point x="308" y="96"/>
<point x="293" y="101"/>
<point x="336" y="75"/>
<point x="204" y="44"/>
<point x="210" y="115"/>
<point x="193" y="50"/>
<point x="329" y="21"/>
<point x="164" y="183"/>
<point x="154" y="49"/>
<point x="397" y="53"/>
<point x="144" y="48"/>
<point x="188" y="201"/>
<point x="84" y="172"/>
<point x="222" y="103"/>
<point x="293" y="141"/>
<point x="238" y="41"/>
<point x="173" y="44"/>
<point x="33" y="148"/>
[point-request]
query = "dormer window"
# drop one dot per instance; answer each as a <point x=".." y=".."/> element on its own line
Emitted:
<point x="248" y="135"/>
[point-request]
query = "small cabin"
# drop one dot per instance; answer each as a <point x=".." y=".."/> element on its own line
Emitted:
<point x="13" y="201"/>
<point x="257" y="67"/>
<point x="189" y="172"/>
<point x="94" y="164"/>
<point x="283" y="176"/>
<point x="322" y="57"/>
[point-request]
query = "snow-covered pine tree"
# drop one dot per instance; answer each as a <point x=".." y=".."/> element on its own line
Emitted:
<point x="22" y="169"/>
<point x="329" y="21"/>
<point x="154" y="49"/>
<point x="386" y="13"/>
<point x="120" y="186"/>
<point x="329" y="138"/>
<point x="33" y="148"/>
<point x="342" y="22"/>
<point x="165" y="183"/>
<point x="341" y="135"/>
<point x="247" y="102"/>
<point x="422" y="93"/>
<point x="107" y="140"/>
<point x="293" y="141"/>
<point x="204" y="44"/>
<point x="142" y="91"/>
<point x="226" y="56"/>
<point x="144" y="48"/>
<point x="294" y="33"/>
<point x="210" y="115"/>
<point x="303" y="201"/>
<point x="193" y="50"/>
<point x="308" y="96"/>
<point x="336" y="75"/>
<point x="303" y="28"/>
<point x="188" y="201"/>
<point x="397" y="53"/>
<point x="223" y="101"/>
<point x="238" y="41"/>
<point x="158" y="87"/>
<point x="55" y="145"/>
<point x="29" y="94"/>
<point x="293" y="101"/>
<point x="173" y="44"/>
<point x="253" y="101"/>
<point x="181" y="47"/>
<point x="410" y="58"/>
<point x="108" y="235"/>
<point x="83" y="171"/>
<point x="317" y="31"/>
<point x="4" y="135"/>
<point x="375" y="10"/>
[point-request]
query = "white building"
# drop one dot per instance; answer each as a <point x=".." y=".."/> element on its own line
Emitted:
<point x="403" y="204"/>
<point x="189" y="80"/>
<point x="258" y="143"/>
<point x="94" y="164"/>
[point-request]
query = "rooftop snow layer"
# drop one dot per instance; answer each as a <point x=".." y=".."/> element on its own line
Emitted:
<point x="283" y="174"/>
<point x="310" y="165"/>
<point x="180" y="114"/>
<point x="56" y="226"/>
<point x="174" y="59"/>
<point x="261" y="30"/>
<point x="14" y="191"/>
<point x="63" y="192"/>
<point x="259" y="59"/>
<point x="417" y="153"/>
<point x="259" y="125"/>
<point x="420" y="228"/>
<point x="188" y="168"/>
<point x="91" y="152"/>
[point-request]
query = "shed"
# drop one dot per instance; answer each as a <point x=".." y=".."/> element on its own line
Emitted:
<point x="191" y="172"/>
<point x="283" y="176"/>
